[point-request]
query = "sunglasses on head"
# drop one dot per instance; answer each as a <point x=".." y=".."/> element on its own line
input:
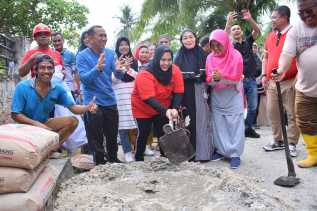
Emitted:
<point x="308" y="11"/>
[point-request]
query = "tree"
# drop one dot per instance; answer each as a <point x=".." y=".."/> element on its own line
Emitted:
<point x="18" y="17"/>
<point x="171" y="16"/>
<point x="127" y="20"/>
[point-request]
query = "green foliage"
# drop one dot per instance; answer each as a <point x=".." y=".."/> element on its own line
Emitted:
<point x="127" y="20"/>
<point x="18" y="17"/>
<point x="203" y="16"/>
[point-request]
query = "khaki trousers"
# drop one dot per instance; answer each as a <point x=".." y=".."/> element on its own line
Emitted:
<point x="288" y="95"/>
<point x="64" y="126"/>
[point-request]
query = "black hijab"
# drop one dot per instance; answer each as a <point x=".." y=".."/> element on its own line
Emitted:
<point x="164" y="77"/>
<point x="190" y="60"/>
<point x="134" y="65"/>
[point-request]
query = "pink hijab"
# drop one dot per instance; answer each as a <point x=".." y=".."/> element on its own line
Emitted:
<point x="229" y="64"/>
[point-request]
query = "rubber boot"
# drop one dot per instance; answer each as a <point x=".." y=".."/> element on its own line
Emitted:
<point x="311" y="147"/>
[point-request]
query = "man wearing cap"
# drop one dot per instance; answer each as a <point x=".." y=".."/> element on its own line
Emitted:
<point x="42" y="35"/>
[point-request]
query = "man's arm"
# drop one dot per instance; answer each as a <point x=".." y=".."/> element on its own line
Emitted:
<point x="264" y="65"/>
<point x="229" y="23"/>
<point x="25" y="67"/>
<point x="79" y="109"/>
<point x="21" y="118"/>
<point x="255" y="28"/>
<point x="284" y="63"/>
<point x="86" y="73"/>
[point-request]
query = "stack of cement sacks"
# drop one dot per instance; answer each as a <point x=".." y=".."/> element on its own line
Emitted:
<point x="26" y="179"/>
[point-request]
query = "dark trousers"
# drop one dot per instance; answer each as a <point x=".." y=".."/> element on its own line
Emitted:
<point x="103" y="123"/>
<point x="144" y="130"/>
<point x="251" y="93"/>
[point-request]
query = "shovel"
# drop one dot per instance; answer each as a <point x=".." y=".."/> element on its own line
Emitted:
<point x="291" y="180"/>
<point x="175" y="144"/>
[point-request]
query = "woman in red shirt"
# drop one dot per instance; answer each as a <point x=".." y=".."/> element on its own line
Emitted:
<point x="157" y="93"/>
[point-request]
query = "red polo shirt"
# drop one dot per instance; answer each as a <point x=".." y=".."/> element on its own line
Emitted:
<point x="52" y="53"/>
<point x="274" y="53"/>
<point x="147" y="86"/>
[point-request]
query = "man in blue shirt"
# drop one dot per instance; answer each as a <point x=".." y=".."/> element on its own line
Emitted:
<point x="95" y="66"/>
<point x="34" y="99"/>
<point x="71" y="74"/>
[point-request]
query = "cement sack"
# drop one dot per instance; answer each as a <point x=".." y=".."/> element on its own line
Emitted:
<point x="25" y="146"/>
<point x="15" y="180"/>
<point x="83" y="162"/>
<point x="36" y="197"/>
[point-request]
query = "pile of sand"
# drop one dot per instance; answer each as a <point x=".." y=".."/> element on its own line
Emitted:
<point x="159" y="185"/>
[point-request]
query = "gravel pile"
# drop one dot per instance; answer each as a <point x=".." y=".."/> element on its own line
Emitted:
<point x="159" y="185"/>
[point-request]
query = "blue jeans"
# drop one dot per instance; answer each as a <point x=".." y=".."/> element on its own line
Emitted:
<point x="251" y="93"/>
<point x="125" y="142"/>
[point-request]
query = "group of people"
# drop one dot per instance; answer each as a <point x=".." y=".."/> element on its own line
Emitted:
<point x="131" y="95"/>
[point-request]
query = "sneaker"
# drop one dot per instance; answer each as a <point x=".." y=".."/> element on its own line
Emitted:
<point x="216" y="156"/>
<point x="275" y="145"/>
<point x="148" y="151"/>
<point x="234" y="162"/>
<point x="292" y="150"/>
<point x="129" y="157"/>
<point x="250" y="132"/>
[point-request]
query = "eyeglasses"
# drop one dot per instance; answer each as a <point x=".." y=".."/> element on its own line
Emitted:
<point x="308" y="11"/>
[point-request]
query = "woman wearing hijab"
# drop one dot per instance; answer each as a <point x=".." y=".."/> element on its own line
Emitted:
<point x="123" y="92"/>
<point x="191" y="59"/>
<point x="142" y="54"/>
<point x="224" y="68"/>
<point x="157" y="93"/>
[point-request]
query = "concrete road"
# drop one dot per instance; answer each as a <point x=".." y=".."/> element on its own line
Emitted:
<point x="267" y="166"/>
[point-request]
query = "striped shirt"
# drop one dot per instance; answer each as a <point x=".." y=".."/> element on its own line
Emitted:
<point x="123" y="92"/>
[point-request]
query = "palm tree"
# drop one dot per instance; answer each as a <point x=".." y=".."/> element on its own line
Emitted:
<point x="127" y="20"/>
<point x="171" y="16"/>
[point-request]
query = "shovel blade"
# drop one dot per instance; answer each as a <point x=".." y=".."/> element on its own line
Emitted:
<point x="287" y="181"/>
<point x="176" y="146"/>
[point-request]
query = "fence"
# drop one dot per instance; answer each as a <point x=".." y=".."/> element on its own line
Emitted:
<point x="6" y="93"/>
<point x="7" y="55"/>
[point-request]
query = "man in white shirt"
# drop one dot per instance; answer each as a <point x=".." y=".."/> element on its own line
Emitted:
<point x="301" y="42"/>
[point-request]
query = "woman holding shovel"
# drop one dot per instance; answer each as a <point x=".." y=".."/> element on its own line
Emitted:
<point x="157" y="93"/>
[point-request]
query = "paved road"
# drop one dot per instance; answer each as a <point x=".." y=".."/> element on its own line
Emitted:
<point x="267" y="166"/>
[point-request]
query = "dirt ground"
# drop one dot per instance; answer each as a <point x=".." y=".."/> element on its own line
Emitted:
<point x="157" y="185"/>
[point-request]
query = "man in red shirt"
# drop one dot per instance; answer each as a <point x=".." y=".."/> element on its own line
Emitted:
<point x="273" y="48"/>
<point x="42" y="35"/>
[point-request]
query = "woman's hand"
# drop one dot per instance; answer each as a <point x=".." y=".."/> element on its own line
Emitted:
<point x="172" y="114"/>
<point x="216" y="76"/>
